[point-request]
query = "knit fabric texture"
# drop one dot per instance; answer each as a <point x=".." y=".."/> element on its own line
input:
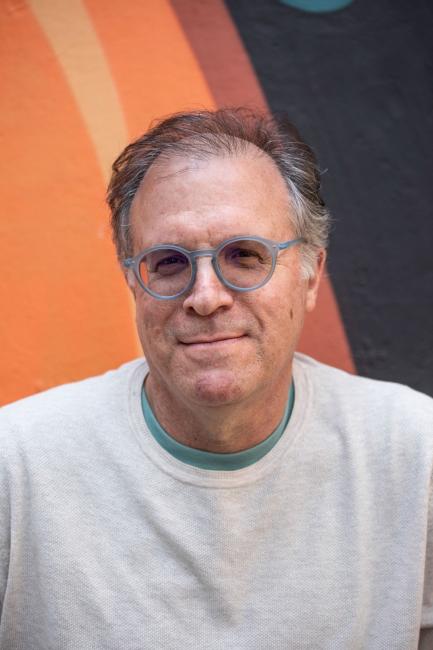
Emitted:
<point x="108" y="542"/>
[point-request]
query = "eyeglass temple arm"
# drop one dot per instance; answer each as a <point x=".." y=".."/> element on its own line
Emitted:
<point x="291" y="242"/>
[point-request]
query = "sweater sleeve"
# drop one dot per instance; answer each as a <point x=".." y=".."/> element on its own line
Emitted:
<point x="426" y="634"/>
<point x="4" y="530"/>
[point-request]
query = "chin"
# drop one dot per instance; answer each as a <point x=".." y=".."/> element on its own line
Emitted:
<point x="216" y="388"/>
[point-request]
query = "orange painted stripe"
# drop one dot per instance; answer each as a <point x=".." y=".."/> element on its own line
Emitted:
<point x="232" y="79"/>
<point x="65" y="310"/>
<point x="151" y="60"/>
<point x="70" y="33"/>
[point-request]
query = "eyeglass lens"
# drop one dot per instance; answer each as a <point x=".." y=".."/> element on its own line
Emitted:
<point x="244" y="264"/>
<point x="166" y="271"/>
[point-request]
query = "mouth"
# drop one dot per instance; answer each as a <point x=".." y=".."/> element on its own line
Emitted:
<point x="213" y="341"/>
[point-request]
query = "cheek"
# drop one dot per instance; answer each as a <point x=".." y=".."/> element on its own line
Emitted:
<point x="282" y="318"/>
<point x="151" y="322"/>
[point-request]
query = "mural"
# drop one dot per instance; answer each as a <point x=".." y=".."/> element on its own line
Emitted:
<point x="84" y="77"/>
<point x="318" y="6"/>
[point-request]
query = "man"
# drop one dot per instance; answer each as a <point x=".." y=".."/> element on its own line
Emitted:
<point x="226" y="493"/>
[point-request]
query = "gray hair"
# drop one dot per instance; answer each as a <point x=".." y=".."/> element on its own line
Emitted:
<point x="228" y="131"/>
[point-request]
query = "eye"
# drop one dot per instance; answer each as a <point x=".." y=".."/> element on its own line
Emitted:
<point x="167" y="262"/>
<point x="173" y="259"/>
<point x="244" y="255"/>
<point x="245" y="252"/>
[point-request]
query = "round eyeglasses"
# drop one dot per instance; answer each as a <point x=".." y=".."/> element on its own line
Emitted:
<point x="168" y="271"/>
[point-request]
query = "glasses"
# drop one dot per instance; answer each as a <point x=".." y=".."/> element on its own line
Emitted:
<point x="168" y="271"/>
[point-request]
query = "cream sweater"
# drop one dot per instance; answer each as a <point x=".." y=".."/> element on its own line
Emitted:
<point x="108" y="542"/>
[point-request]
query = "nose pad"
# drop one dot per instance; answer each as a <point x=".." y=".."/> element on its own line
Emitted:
<point x="208" y="292"/>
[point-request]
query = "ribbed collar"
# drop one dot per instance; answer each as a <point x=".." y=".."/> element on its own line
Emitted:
<point x="211" y="460"/>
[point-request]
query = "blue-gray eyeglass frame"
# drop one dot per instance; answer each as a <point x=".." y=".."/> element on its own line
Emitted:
<point x="274" y="248"/>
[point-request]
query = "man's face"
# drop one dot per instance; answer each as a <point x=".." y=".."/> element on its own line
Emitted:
<point x="216" y="346"/>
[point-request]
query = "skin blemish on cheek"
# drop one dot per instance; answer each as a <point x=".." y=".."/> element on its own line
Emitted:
<point x="291" y="314"/>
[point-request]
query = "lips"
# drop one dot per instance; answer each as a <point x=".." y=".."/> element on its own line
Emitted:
<point x="215" y="339"/>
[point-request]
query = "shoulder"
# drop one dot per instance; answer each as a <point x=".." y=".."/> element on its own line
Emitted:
<point x="52" y="415"/>
<point x="356" y="390"/>
<point x="379" y="410"/>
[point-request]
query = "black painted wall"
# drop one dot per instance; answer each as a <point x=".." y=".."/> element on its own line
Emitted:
<point x="359" y="85"/>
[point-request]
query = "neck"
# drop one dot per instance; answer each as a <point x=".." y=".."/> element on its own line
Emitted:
<point x="225" y="428"/>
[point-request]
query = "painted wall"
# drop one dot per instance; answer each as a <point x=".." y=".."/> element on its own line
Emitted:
<point x="359" y="84"/>
<point x="82" y="78"/>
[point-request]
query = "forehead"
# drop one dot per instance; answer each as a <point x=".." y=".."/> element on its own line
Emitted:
<point x="213" y="197"/>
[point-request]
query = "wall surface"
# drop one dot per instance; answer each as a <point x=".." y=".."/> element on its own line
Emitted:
<point x="82" y="78"/>
<point x="359" y="84"/>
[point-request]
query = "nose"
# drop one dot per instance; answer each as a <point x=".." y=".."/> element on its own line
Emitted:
<point x="208" y="293"/>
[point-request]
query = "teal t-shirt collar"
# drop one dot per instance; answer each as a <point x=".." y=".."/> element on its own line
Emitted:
<point x="213" y="460"/>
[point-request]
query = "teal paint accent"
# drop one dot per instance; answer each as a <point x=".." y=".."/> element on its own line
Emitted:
<point x="317" y="6"/>
<point x="210" y="460"/>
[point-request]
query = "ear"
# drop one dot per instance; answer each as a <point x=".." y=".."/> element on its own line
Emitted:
<point x="130" y="281"/>
<point x="314" y="281"/>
